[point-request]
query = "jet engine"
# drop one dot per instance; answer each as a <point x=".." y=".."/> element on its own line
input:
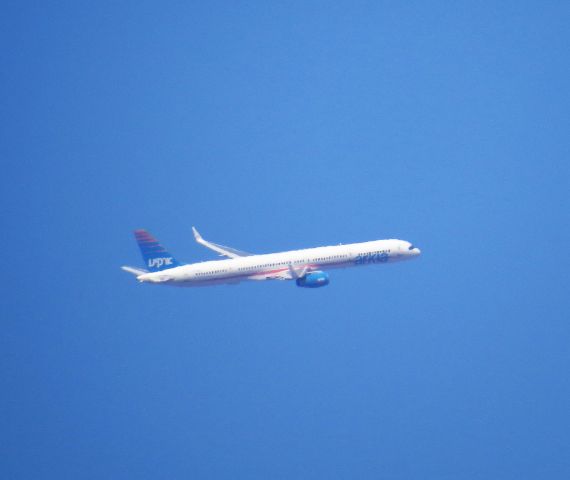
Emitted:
<point x="313" y="280"/>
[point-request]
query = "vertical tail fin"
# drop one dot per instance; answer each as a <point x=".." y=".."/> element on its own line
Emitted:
<point x="155" y="256"/>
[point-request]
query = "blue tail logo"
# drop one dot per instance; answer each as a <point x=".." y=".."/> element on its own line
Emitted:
<point x="154" y="254"/>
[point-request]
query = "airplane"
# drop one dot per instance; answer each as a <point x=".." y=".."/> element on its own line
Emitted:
<point x="306" y="266"/>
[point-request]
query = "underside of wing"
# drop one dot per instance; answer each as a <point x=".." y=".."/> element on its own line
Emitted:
<point x="281" y="275"/>
<point x="289" y="273"/>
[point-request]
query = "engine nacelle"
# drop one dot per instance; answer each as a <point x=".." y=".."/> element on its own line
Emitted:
<point x="313" y="280"/>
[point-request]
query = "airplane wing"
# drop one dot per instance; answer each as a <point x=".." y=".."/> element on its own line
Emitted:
<point x="221" y="249"/>
<point x="281" y="275"/>
<point x="298" y="272"/>
<point x="290" y="273"/>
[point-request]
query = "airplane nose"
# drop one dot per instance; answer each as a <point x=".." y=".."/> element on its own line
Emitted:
<point x="417" y="251"/>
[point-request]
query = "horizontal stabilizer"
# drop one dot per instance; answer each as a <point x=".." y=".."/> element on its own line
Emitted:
<point x="135" y="271"/>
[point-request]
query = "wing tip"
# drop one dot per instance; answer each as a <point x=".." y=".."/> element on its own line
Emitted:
<point x="197" y="235"/>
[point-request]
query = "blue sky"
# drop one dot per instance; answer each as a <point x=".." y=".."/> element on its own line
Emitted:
<point x="274" y="126"/>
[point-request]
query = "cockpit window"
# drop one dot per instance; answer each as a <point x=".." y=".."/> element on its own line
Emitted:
<point x="411" y="247"/>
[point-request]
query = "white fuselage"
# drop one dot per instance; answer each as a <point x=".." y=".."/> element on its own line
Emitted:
<point x="280" y="265"/>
